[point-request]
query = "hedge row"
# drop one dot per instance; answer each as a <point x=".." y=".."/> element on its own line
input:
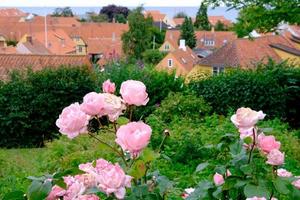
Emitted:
<point x="275" y="89"/>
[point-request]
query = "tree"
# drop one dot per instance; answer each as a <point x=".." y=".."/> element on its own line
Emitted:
<point x="63" y="12"/>
<point x="180" y="15"/>
<point x="153" y="56"/>
<point x="187" y="32"/>
<point x="138" y="38"/>
<point x="262" y="15"/>
<point x="120" y="18"/>
<point x="112" y="10"/>
<point x="202" y="22"/>
<point x="220" y="26"/>
<point x="93" y="17"/>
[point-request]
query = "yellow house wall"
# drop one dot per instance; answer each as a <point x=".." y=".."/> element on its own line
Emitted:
<point x="3" y="39"/>
<point x="162" y="48"/>
<point x="291" y="58"/>
<point x="163" y="66"/>
<point x="79" y="43"/>
<point x="23" y="39"/>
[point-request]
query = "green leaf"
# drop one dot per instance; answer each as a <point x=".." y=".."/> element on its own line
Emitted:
<point x="14" y="195"/>
<point x="122" y="121"/>
<point x="201" y="166"/>
<point x="201" y="191"/>
<point x="39" y="190"/>
<point x="256" y="190"/>
<point x="248" y="140"/>
<point x="92" y="190"/>
<point x="281" y="185"/>
<point x="217" y="193"/>
<point x="138" y="169"/>
<point x="163" y="184"/>
<point x="237" y="148"/>
<point x="148" y="155"/>
<point x="246" y="169"/>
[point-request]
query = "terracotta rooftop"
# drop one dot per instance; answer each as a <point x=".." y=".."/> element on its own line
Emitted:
<point x="11" y="12"/>
<point x="35" y="47"/>
<point x="203" y="37"/>
<point x="9" y="62"/>
<point x="155" y="14"/>
<point x="213" y="20"/>
<point x="56" y="21"/>
<point x="247" y="53"/>
<point x="188" y="59"/>
<point x="8" y="50"/>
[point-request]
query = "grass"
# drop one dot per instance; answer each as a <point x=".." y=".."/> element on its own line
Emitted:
<point x="16" y="165"/>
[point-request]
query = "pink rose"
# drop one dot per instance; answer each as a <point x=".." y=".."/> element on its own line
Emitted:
<point x="88" y="197"/>
<point x="267" y="143"/>
<point x="218" y="179"/>
<point x="108" y="87"/>
<point x="134" y="93"/>
<point x="187" y="192"/>
<point x="245" y="118"/>
<point x="256" y="198"/>
<point x="109" y="178"/>
<point x="133" y="137"/>
<point x="93" y="104"/>
<point x="113" y="106"/>
<point x="75" y="188"/>
<point x="55" y="193"/>
<point x="72" y="121"/>
<point x="275" y="157"/>
<point x="228" y="173"/>
<point x="284" y="173"/>
<point x="296" y="183"/>
<point x="87" y="179"/>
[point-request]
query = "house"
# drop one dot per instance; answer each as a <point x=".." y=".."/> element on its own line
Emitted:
<point x="213" y="20"/>
<point x="55" y="40"/>
<point x="10" y="62"/>
<point x="206" y="40"/>
<point x="182" y="60"/>
<point x="30" y="46"/>
<point x="245" y="54"/>
<point x="159" y="17"/>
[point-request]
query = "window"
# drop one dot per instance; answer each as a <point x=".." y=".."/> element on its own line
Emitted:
<point x="167" y="47"/>
<point x="218" y="70"/>
<point x="208" y="42"/>
<point x="170" y="63"/>
<point x="80" y="49"/>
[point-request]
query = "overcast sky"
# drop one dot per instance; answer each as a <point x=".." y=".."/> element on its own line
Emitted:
<point x="91" y="3"/>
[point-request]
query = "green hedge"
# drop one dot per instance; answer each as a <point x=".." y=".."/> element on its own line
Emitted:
<point x="275" y="89"/>
<point x="31" y="103"/>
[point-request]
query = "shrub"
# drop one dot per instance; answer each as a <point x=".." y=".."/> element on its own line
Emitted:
<point x="158" y="84"/>
<point x="271" y="88"/>
<point x="30" y="104"/>
<point x="153" y="56"/>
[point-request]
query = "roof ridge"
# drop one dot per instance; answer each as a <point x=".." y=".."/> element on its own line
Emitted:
<point x="42" y="55"/>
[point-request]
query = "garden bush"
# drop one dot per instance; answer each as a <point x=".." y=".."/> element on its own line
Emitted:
<point x="31" y="102"/>
<point x="158" y="84"/>
<point x="274" y="88"/>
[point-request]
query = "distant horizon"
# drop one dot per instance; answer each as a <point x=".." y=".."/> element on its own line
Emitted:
<point x="169" y="11"/>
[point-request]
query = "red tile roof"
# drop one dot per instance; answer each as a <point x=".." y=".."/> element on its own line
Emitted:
<point x="56" y="21"/>
<point x="246" y="53"/>
<point x="8" y="50"/>
<point x="9" y="62"/>
<point x="219" y="38"/>
<point x="155" y="14"/>
<point x="213" y="20"/>
<point x="35" y="47"/>
<point x="11" y="12"/>
<point x="188" y="59"/>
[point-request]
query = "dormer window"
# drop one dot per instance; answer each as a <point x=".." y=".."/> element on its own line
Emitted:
<point x="218" y="70"/>
<point x="208" y="42"/>
<point x="167" y="47"/>
<point x="170" y="63"/>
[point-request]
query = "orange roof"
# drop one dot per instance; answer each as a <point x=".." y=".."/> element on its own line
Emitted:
<point x="58" y="41"/>
<point x="179" y="21"/>
<point x="219" y="38"/>
<point x="155" y="14"/>
<point x="188" y="59"/>
<point x="9" y="62"/>
<point x="8" y="50"/>
<point x="213" y="20"/>
<point x="244" y="52"/>
<point x="11" y="12"/>
<point x="56" y="21"/>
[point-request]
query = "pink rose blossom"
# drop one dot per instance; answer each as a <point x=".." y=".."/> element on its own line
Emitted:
<point x="93" y="104"/>
<point x="87" y="179"/>
<point x="75" y="188"/>
<point x="296" y="183"/>
<point x="109" y="178"/>
<point x="133" y="137"/>
<point x="275" y="157"/>
<point x="218" y="179"/>
<point x="72" y="121"/>
<point x="88" y="197"/>
<point x="134" y="93"/>
<point x="55" y="193"/>
<point x="256" y="198"/>
<point x="284" y="173"/>
<point x="245" y="118"/>
<point x="267" y="143"/>
<point x="113" y="106"/>
<point x="187" y="192"/>
<point x="228" y="173"/>
<point x="108" y="87"/>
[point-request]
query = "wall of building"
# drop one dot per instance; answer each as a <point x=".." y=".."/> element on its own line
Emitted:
<point x="3" y="41"/>
<point x="291" y="58"/>
<point x="22" y="49"/>
<point x="163" y="66"/>
<point x="162" y="48"/>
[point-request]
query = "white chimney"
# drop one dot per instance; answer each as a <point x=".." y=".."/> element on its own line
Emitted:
<point x="182" y="45"/>
<point x="113" y="36"/>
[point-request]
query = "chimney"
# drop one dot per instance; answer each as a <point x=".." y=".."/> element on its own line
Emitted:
<point x="182" y="45"/>
<point x="113" y="20"/>
<point x="113" y="38"/>
<point x="29" y="39"/>
<point x="212" y="29"/>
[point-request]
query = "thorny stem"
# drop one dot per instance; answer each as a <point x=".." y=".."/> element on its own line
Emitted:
<point x="166" y="134"/>
<point x="111" y="147"/>
<point x="115" y="127"/>
<point x="252" y="147"/>
<point x="130" y="113"/>
<point x="274" y="173"/>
